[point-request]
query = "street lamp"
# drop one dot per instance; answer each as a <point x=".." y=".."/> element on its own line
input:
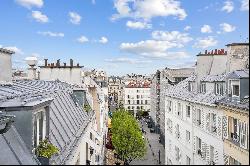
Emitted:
<point x="159" y="156"/>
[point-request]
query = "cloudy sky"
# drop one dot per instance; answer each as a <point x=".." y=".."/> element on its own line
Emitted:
<point x="121" y="36"/>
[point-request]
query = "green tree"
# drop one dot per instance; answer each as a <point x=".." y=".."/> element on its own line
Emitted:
<point x="127" y="136"/>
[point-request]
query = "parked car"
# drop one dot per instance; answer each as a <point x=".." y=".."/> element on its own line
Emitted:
<point x="152" y="130"/>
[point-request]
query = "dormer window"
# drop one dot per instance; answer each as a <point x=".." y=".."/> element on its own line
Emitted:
<point x="234" y="88"/>
<point x="203" y="87"/>
<point x="219" y="88"/>
<point x="190" y="86"/>
<point x="39" y="127"/>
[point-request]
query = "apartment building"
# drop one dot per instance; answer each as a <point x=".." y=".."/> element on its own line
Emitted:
<point x="137" y="96"/>
<point x="162" y="80"/>
<point x="235" y="121"/>
<point x="194" y="122"/>
<point x="116" y="90"/>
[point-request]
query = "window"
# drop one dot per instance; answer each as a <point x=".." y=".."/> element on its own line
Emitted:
<point x="198" y="145"/>
<point x="91" y="136"/>
<point x="169" y="106"/>
<point x="212" y="155"/>
<point x="219" y="88"/>
<point x="198" y="117"/>
<point x="203" y="87"/>
<point x="243" y="136"/>
<point x="177" y="151"/>
<point x="190" y="86"/>
<point x="236" y="90"/>
<point x="213" y="122"/>
<point x="137" y="96"/>
<point x="179" y="109"/>
<point x="39" y="127"/>
<point x="188" y="161"/>
<point x="128" y="96"/>
<point x="128" y="101"/>
<point x="178" y="131"/>
<point x="146" y="101"/>
<point x="138" y="102"/>
<point x="188" y="136"/>
<point x="233" y="161"/>
<point x="128" y="107"/>
<point x="188" y="109"/>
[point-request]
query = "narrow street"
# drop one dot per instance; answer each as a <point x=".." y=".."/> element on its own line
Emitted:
<point x="153" y="147"/>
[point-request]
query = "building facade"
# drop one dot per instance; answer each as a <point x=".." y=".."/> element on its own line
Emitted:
<point x="137" y="96"/>
<point x="194" y="122"/>
<point x="116" y="90"/>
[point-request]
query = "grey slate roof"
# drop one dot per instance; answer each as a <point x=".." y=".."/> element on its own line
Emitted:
<point x="14" y="151"/>
<point x="240" y="104"/>
<point x="214" y="78"/>
<point x="67" y="120"/>
<point x="239" y="74"/>
<point x="180" y="91"/>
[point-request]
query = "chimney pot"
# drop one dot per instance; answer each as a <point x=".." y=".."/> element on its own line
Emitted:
<point x="71" y="62"/>
<point x="64" y="64"/>
<point x="45" y="62"/>
<point x="225" y="52"/>
<point x="77" y="65"/>
<point x="212" y="52"/>
<point x="49" y="65"/>
<point x="205" y="51"/>
<point x="58" y="63"/>
<point x="215" y="52"/>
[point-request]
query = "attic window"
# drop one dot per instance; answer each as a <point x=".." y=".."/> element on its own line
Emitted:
<point x="190" y="86"/>
<point x="203" y="87"/>
<point x="236" y="90"/>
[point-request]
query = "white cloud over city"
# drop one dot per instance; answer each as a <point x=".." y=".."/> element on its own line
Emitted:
<point x="51" y="34"/>
<point x="30" y="3"/>
<point x="206" y="42"/>
<point x="39" y="17"/>
<point x="75" y="18"/>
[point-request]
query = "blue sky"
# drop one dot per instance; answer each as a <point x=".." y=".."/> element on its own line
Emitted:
<point x="121" y="36"/>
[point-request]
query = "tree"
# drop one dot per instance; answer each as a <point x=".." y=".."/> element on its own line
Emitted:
<point x="127" y="136"/>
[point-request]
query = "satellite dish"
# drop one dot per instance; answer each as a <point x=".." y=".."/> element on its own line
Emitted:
<point x="31" y="61"/>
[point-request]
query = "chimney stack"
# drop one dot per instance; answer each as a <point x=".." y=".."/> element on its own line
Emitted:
<point x="58" y="63"/>
<point x="206" y="52"/>
<point x="5" y="66"/>
<point x="45" y="62"/>
<point x="71" y="62"/>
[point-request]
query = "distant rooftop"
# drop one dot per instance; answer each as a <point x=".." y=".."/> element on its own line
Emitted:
<point x="236" y="44"/>
<point x="4" y="50"/>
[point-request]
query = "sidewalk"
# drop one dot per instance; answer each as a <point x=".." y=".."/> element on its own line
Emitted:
<point x="153" y="147"/>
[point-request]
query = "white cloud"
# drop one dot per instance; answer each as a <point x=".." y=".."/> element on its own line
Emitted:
<point x="127" y="60"/>
<point x="103" y="40"/>
<point x="51" y="34"/>
<point x="228" y="6"/>
<point x="30" y="3"/>
<point x="187" y="28"/>
<point x="39" y="17"/>
<point x="82" y="39"/>
<point x="205" y="42"/>
<point x="206" y="29"/>
<point x="158" y="47"/>
<point x="15" y="49"/>
<point x="225" y="27"/>
<point x="173" y="36"/>
<point x="138" y="25"/>
<point x="147" y="9"/>
<point x="244" y="5"/>
<point x="75" y="18"/>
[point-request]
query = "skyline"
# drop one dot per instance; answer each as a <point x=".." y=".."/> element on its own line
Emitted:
<point x="134" y="36"/>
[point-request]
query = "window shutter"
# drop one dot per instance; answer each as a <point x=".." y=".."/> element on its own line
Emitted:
<point x="225" y="127"/>
<point x="216" y="156"/>
<point x="203" y="149"/>
<point x="194" y="116"/>
<point x="194" y="145"/>
<point x="202" y="119"/>
<point x="219" y="126"/>
<point x="226" y="159"/>
<point x="208" y="154"/>
<point x="207" y="122"/>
